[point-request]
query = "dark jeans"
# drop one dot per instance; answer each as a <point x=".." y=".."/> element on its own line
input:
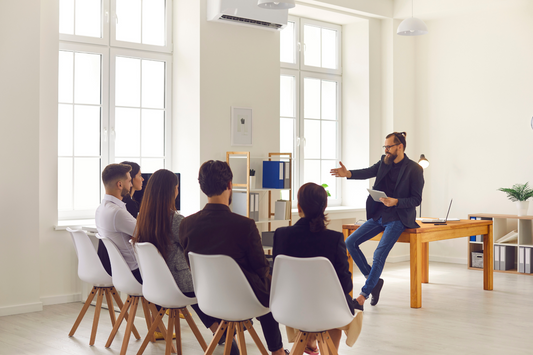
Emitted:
<point x="271" y="332"/>
<point x="104" y="257"/>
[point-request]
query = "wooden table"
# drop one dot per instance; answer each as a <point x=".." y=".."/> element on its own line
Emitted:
<point x="419" y="239"/>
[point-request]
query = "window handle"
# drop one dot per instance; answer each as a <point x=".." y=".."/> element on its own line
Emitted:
<point x="299" y="46"/>
<point x="113" y="133"/>
<point x="116" y="19"/>
<point x="297" y="141"/>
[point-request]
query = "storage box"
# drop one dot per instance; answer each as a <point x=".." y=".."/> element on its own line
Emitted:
<point x="477" y="259"/>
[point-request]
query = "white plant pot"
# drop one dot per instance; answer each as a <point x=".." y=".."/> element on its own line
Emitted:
<point x="252" y="182"/>
<point x="522" y="207"/>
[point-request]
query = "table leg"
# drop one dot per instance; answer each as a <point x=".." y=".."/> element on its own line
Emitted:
<point x="416" y="271"/>
<point x="346" y="233"/>
<point x="425" y="263"/>
<point x="488" y="260"/>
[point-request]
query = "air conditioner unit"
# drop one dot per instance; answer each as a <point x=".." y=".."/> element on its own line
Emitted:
<point x="246" y="13"/>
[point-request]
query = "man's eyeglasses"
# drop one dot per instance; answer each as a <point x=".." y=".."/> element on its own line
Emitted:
<point x="387" y="147"/>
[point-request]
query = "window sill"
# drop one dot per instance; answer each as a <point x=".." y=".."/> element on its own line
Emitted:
<point x="335" y="212"/>
<point x="75" y="224"/>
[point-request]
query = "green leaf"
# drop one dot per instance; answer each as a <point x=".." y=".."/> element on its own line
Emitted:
<point x="519" y="192"/>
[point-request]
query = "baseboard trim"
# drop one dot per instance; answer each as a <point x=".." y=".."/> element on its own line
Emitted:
<point x="69" y="298"/>
<point x="21" y="308"/>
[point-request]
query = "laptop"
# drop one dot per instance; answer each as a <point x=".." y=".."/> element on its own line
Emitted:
<point x="438" y="221"/>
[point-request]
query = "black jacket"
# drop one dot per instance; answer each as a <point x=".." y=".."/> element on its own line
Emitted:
<point x="408" y="189"/>
<point x="298" y="241"/>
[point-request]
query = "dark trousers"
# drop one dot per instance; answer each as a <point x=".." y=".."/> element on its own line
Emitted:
<point x="104" y="256"/>
<point x="271" y="332"/>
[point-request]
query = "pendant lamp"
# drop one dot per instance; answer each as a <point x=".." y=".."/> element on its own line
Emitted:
<point x="276" y="5"/>
<point x="412" y="26"/>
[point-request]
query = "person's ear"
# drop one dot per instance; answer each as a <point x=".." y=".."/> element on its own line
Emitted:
<point x="299" y="208"/>
<point x="119" y="184"/>
<point x="230" y="186"/>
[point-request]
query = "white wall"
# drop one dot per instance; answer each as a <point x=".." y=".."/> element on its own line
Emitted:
<point x="19" y="149"/>
<point x="474" y="103"/>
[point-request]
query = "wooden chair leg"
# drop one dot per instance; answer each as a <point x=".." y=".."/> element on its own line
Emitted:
<point x="147" y="316"/>
<point x="152" y="329"/>
<point x="256" y="339"/>
<point x="121" y="316"/>
<point x="169" y="333"/>
<point x="129" y="326"/>
<point x="323" y="344"/>
<point x="300" y="343"/>
<point x="110" y="306"/>
<point x="99" y="300"/>
<point x="177" y="327"/>
<point x="240" y="338"/>
<point x="329" y="342"/>
<point x="119" y="303"/>
<point x="229" y="338"/>
<point x="161" y="325"/>
<point x="218" y="334"/>
<point x="194" y="328"/>
<point x="90" y="298"/>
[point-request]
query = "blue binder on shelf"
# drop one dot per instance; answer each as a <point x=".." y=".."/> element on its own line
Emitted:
<point x="273" y="174"/>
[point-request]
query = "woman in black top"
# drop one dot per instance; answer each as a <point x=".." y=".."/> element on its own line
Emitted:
<point x="308" y="238"/>
<point x="136" y="185"/>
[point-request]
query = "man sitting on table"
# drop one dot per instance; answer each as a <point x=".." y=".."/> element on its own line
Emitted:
<point x="402" y="181"/>
<point x="112" y="219"/>
<point x="216" y="230"/>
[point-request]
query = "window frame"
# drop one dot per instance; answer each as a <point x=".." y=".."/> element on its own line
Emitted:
<point x="104" y="40"/>
<point x="326" y="25"/>
<point x="297" y="45"/>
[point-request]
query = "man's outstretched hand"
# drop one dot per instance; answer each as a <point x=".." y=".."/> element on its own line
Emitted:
<point x="341" y="172"/>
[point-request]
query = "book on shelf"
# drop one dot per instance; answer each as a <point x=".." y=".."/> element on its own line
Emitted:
<point x="511" y="237"/>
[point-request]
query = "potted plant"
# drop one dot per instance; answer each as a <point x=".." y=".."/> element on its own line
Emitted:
<point x="519" y="193"/>
<point x="325" y="186"/>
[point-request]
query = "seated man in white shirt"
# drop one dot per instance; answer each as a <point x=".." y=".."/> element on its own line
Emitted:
<point x="112" y="219"/>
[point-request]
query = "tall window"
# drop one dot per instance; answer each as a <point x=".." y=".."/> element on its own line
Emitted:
<point x="114" y="94"/>
<point x="310" y="101"/>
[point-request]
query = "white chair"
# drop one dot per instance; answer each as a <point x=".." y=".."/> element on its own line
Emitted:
<point x="223" y="292"/>
<point x="159" y="287"/>
<point x="125" y="282"/>
<point x="306" y="295"/>
<point x="90" y="270"/>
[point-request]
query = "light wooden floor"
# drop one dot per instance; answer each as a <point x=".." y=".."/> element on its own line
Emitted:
<point x="457" y="317"/>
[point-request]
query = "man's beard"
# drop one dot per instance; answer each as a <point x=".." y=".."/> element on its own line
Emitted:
<point x="389" y="159"/>
<point x="125" y="192"/>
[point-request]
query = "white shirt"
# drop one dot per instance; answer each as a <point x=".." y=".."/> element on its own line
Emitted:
<point x="113" y="221"/>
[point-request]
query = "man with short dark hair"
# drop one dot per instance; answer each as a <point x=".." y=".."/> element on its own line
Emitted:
<point x="112" y="219"/>
<point x="216" y="230"/>
<point x="402" y="180"/>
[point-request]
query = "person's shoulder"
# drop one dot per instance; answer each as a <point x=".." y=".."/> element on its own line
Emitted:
<point x="177" y="216"/>
<point x="413" y="164"/>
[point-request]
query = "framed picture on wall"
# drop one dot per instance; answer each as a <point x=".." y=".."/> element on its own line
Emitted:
<point x="241" y="126"/>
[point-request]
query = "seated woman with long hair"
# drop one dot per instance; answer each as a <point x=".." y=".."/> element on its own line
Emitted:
<point x="158" y="223"/>
<point x="308" y="238"/>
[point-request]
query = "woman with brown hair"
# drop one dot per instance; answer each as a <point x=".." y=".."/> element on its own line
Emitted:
<point x="309" y="238"/>
<point x="158" y="223"/>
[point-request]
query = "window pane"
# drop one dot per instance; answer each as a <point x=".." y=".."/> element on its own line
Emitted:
<point x="153" y="84"/>
<point x="128" y="132"/>
<point x="87" y="78"/>
<point x="312" y="171"/>
<point x="329" y="140"/>
<point x="64" y="183"/>
<point x="128" y="82"/>
<point x="153" y="133"/>
<point x="86" y="183"/>
<point x="65" y="130"/>
<point x="151" y="165"/>
<point x="287" y="43"/>
<point x="329" y="100"/>
<point x="66" y="17"/>
<point x="153" y="22"/>
<point x="312" y="46"/>
<point x="66" y="77"/>
<point x="286" y="138"/>
<point x="129" y="21"/>
<point x="89" y="18"/>
<point x="329" y="49"/>
<point x="132" y="159"/>
<point x="287" y="91"/>
<point x="87" y="131"/>
<point x="312" y="139"/>
<point x="311" y="98"/>
<point x="331" y="181"/>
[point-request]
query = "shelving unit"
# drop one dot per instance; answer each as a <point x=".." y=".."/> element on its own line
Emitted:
<point x="503" y="224"/>
<point x="256" y="164"/>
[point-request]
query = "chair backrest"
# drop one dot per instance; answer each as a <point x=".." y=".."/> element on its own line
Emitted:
<point x="222" y="289"/>
<point x="306" y="294"/>
<point x="159" y="286"/>
<point x="90" y="267"/>
<point x="123" y="279"/>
